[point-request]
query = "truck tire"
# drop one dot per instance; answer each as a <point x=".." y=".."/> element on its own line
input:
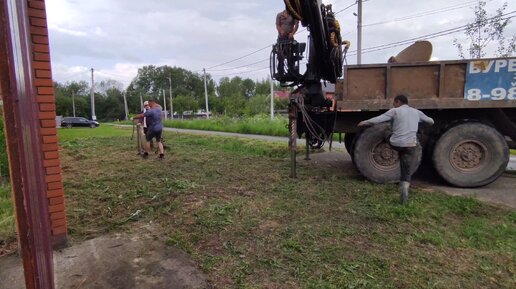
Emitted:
<point x="348" y="142"/>
<point x="374" y="157"/>
<point x="471" y="155"/>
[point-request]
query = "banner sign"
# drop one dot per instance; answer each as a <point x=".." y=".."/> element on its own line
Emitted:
<point x="491" y="80"/>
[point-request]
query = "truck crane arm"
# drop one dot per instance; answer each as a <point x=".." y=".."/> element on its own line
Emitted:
<point x="325" y="46"/>
<point x="326" y="52"/>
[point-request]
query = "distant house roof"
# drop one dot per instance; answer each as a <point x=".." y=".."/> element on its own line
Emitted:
<point x="281" y="94"/>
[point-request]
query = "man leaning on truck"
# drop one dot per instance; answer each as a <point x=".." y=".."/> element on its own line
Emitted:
<point x="405" y="123"/>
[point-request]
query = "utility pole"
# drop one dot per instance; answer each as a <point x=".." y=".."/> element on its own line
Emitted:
<point x="165" y="104"/>
<point x="206" y="94"/>
<point x="359" y="32"/>
<point x="125" y="106"/>
<point x="73" y="102"/>
<point x="93" y="116"/>
<point x="141" y="102"/>
<point x="171" y="104"/>
<point x="272" y="97"/>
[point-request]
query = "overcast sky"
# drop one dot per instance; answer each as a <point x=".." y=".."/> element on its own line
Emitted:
<point x="116" y="37"/>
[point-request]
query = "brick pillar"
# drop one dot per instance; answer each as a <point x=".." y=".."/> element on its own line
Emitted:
<point x="47" y="115"/>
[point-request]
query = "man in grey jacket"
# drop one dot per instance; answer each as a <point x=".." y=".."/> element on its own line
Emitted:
<point x="405" y="123"/>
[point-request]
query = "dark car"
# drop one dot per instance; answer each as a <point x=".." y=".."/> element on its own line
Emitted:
<point x="70" y="122"/>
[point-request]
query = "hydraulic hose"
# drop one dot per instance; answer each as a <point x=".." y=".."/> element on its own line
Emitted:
<point x="294" y="9"/>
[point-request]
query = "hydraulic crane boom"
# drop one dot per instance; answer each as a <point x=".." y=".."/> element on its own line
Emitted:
<point x="326" y="52"/>
<point x="325" y="45"/>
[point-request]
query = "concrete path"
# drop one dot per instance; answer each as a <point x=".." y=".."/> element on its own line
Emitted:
<point x="512" y="164"/>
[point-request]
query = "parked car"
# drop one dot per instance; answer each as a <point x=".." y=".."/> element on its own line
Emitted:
<point x="70" y="122"/>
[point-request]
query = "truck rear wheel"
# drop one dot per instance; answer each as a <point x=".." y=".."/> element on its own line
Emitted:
<point x="375" y="158"/>
<point x="471" y="155"/>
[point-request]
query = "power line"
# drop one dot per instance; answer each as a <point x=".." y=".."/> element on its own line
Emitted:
<point x="367" y="50"/>
<point x="236" y="59"/>
<point x="245" y="65"/>
<point x="346" y="8"/>
<point x="428" y="36"/>
<point x="263" y="48"/>
<point x="243" y="72"/>
<point x="425" y="13"/>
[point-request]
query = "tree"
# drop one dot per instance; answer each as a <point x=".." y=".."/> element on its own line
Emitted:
<point x="248" y="88"/>
<point x="484" y="30"/>
<point x="184" y="103"/>
<point x="151" y="81"/>
<point x="109" y="84"/>
<point x="232" y="93"/>
<point x="110" y="105"/>
<point x="258" y="104"/>
<point x="70" y="92"/>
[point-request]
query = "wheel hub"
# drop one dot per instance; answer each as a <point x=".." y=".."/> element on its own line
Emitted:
<point x="468" y="155"/>
<point x="384" y="156"/>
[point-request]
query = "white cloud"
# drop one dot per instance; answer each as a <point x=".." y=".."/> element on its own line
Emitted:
<point x="118" y="36"/>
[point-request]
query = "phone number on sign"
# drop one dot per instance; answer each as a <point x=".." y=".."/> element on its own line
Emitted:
<point x="499" y="93"/>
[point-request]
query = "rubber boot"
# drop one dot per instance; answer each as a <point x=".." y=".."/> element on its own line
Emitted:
<point x="404" y="192"/>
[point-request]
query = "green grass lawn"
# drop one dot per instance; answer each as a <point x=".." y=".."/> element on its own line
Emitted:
<point x="7" y="224"/>
<point x="230" y="204"/>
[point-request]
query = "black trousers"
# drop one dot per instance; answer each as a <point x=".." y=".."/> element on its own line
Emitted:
<point x="407" y="155"/>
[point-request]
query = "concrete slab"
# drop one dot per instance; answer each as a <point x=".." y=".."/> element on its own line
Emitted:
<point x="116" y="262"/>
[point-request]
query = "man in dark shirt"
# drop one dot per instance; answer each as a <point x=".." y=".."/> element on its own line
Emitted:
<point x="154" y="127"/>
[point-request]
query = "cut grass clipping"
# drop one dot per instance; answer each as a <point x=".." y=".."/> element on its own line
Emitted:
<point x="230" y="204"/>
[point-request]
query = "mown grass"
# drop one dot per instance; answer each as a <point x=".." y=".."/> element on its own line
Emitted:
<point x="230" y="204"/>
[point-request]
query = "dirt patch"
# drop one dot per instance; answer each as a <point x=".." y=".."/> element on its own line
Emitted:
<point x="116" y="261"/>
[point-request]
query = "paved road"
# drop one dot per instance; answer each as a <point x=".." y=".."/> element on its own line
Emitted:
<point x="501" y="192"/>
<point x="512" y="164"/>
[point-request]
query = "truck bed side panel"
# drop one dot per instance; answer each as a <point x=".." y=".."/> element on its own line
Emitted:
<point x="428" y="85"/>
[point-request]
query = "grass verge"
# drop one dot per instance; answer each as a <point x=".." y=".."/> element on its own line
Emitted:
<point x="261" y="125"/>
<point x="7" y="222"/>
<point x="230" y="204"/>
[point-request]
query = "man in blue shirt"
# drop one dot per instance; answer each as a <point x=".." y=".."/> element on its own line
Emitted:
<point x="154" y="127"/>
<point x="405" y="123"/>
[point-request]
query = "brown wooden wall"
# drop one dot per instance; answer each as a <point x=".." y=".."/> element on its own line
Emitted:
<point x="47" y="116"/>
